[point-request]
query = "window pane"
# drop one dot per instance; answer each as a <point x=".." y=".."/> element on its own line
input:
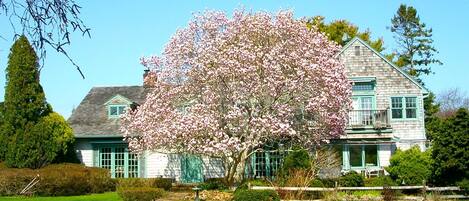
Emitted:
<point x="396" y="107"/>
<point x="119" y="162"/>
<point x="396" y="113"/>
<point x="121" y="110"/>
<point x="355" y="156"/>
<point x="367" y="103"/>
<point x="362" y="86"/>
<point x="371" y="155"/>
<point x="260" y="164"/>
<point x="105" y="155"/>
<point x="275" y="162"/>
<point x="411" y="102"/>
<point x="133" y="165"/>
<point x="396" y="102"/>
<point x="411" y="113"/>
<point x="113" y="110"/>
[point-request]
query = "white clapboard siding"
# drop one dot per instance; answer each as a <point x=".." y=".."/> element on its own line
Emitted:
<point x="84" y="152"/>
<point x="162" y="165"/>
<point x="384" y="154"/>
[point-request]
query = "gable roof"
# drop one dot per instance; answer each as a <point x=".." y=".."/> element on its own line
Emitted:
<point x="118" y="97"/>
<point x="424" y="90"/>
<point x="90" y="118"/>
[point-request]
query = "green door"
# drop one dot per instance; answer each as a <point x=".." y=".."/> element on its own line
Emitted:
<point x="191" y="169"/>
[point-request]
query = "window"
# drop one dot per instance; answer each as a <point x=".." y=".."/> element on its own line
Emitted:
<point x="355" y="155"/>
<point x="411" y="107"/>
<point x="117" y="159"/>
<point x="362" y="156"/>
<point x="266" y="164"/>
<point x="396" y="107"/>
<point x="404" y="107"/>
<point x="116" y="110"/>
<point x="362" y="86"/>
<point x="357" y="50"/>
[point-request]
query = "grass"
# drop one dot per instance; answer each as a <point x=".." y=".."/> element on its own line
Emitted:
<point x="111" y="196"/>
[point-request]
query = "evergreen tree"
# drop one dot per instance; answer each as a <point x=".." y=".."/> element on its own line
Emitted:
<point x="415" y="40"/>
<point x="33" y="135"/>
<point x="450" y="150"/>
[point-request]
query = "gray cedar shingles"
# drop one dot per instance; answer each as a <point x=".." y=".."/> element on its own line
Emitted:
<point x="90" y="118"/>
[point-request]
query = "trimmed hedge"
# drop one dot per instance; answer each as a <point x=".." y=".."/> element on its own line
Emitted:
<point x="57" y="180"/>
<point x="256" y="195"/>
<point x="140" y="193"/>
<point x="164" y="183"/>
<point x="380" y="181"/>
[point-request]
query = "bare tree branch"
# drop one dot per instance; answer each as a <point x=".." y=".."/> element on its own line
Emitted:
<point x="45" y="23"/>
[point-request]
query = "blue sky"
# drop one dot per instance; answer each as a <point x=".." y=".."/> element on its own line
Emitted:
<point x="123" y="31"/>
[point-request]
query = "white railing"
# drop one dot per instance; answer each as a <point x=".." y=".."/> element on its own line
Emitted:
<point x="377" y="119"/>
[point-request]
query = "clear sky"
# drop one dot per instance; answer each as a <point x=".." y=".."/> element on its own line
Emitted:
<point x="123" y="31"/>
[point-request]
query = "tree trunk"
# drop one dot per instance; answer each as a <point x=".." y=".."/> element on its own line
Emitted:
<point x="234" y="172"/>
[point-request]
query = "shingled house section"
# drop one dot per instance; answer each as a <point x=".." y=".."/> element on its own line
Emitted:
<point x="99" y="142"/>
<point x="91" y="117"/>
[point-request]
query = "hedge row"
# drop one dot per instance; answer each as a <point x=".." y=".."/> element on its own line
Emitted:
<point x="163" y="183"/>
<point x="56" y="180"/>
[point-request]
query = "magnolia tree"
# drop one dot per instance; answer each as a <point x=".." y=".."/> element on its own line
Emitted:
<point x="225" y="86"/>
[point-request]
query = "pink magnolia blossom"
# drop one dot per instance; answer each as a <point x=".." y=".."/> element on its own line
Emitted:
<point x="227" y="85"/>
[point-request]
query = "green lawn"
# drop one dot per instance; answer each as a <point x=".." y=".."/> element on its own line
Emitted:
<point x="93" y="197"/>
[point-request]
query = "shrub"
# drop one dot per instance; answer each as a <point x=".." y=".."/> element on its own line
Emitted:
<point x="296" y="159"/>
<point x="411" y="166"/>
<point x="12" y="181"/>
<point x="316" y="183"/>
<point x="140" y="193"/>
<point x="57" y="180"/>
<point x="256" y="195"/>
<point x="380" y="181"/>
<point x="213" y="184"/>
<point x="164" y="183"/>
<point x="351" y="179"/>
<point x="464" y="185"/>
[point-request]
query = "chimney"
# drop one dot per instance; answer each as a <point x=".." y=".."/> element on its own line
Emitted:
<point x="149" y="78"/>
<point x="145" y="73"/>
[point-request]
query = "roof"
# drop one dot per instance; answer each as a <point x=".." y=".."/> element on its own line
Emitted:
<point x="90" y="118"/>
<point x="412" y="79"/>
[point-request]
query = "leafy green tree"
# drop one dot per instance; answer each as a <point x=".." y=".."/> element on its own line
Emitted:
<point x="34" y="135"/>
<point x="342" y="31"/>
<point x="411" y="166"/>
<point x="415" y="40"/>
<point x="450" y="150"/>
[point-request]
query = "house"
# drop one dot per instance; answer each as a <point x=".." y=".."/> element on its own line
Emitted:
<point x="387" y="114"/>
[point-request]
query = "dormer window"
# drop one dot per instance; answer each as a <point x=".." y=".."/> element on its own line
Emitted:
<point x="116" y="110"/>
<point x="118" y="105"/>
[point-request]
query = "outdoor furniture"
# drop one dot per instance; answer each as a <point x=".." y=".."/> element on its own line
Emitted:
<point x="372" y="171"/>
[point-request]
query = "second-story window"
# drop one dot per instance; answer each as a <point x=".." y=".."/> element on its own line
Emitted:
<point x="116" y="110"/>
<point x="362" y="86"/>
<point x="404" y="107"/>
<point x="357" y="50"/>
